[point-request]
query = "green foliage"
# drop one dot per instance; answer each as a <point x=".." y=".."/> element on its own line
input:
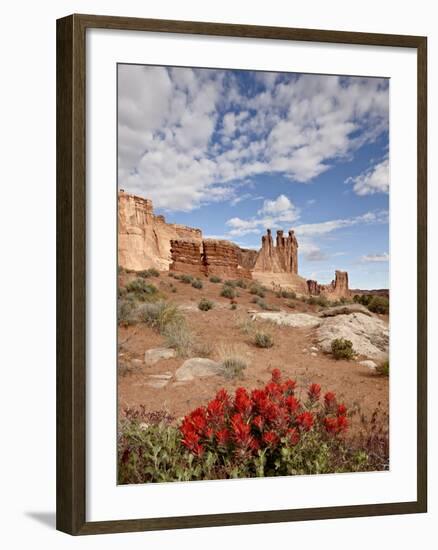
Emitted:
<point x="289" y="294"/>
<point x="263" y="339"/>
<point x="322" y="301"/>
<point x="151" y="272"/>
<point x="142" y="290"/>
<point x="241" y="283"/>
<point x="258" y="290"/>
<point x="312" y="301"/>
<point x="179" y="337"/>
<point x="379" y="304"/>
<point x="263" y="305"/>
<point x="233" y="306"/>
<point x="160" y="314"/>
<point x="197" y="283"/>
<point x="126" y="311"/>
<point x="187" y="279"/>
<point x="342" y="348"/>
<point x="215" y="279"/>
<point x="234" y="367"/>
<point x="228" y="291"/>
<point x="230" y="283"/>
<point x="383" y="369"/>
<point x="205" y="304"/>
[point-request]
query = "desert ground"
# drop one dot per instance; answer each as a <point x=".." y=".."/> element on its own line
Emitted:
<point x="226" y="329"/>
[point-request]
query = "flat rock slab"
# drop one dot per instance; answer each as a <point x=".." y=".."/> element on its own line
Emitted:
<point x="345" y="310"/>
<point x="154" y="355"/>
<point x="197" y="367"/>
<point x="369" y="335"/>
<point x="369" y="364"/>
<point x="157" y="383"/>
<point x="296" y="320"/>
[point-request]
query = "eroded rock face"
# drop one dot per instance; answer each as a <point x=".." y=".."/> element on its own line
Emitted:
<point x="186" y="256"/>
<point x="338" y="288"/>
<point x="369" y="335"/>
<point x="144" y="238"/>
<point x="220" y="258"/>
<point x="281" y="258"/>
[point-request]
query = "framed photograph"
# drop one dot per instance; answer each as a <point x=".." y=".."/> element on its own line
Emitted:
<point x="241" y="258"/>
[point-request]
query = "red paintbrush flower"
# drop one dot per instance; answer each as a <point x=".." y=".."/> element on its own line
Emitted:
<point x="331" y="424"/>
<point x="305" y="420"/>
<point x="293" y="436"/>
<point x="241" y="430"/>
<point x="258" y="422"/>
<point x="314" y="392"/>
<point x="342" y="410"/>
<point x="342" y="423"/>
<point x="223" y="436"/>
<point x="292" y="403"/>
<point x="242" y="401"/>
<point x="289" y="386"/>
<point x="276" y="375"/>
<point x="270" y="438"/>
<point x="329" y="399"/>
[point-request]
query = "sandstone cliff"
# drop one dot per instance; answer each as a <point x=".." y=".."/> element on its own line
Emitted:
<point x="144" y="238"/>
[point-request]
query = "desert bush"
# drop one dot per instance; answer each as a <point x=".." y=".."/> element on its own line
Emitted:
<point x="342" y="349"/>
<point x="290" y="304"/>
<point x="268" y="431"/>
<point x="289" y="294"/>
<point x="230" y="283"/>
<point x="215" y="279"/>
<point x="312" y="301"/>
<point x="233" y="360"/>
<point x="233" y="306"/>
<point x="228" y="291"/>
<point x="379" y="304"/>
<point x="263" y="305"/>
<point x="160" y="314"/>
<point x="151" y="272"/>
<point x="263" y="339"/>
<point x="187" y="279"/>
<point x="197" y="283"/>
<point x="241" y="283"/>
<point x="126" y="311"/>
<point x="258" y="290"/>
<point x="179" y="337"/>
<point x="142" y="290"/>
<point x="205" y="305"/>
<point x="121" y="291"/>
<point x="202" y="348"/>
<point x="383" y="369"/>
<point x="322" y="301"/>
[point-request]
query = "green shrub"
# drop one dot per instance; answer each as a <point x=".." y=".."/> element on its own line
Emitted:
<point x="322" y="301"/>
<point x="215" y="279"/>
<point x="241" y="283"/>
<point x="258" y="290"/>
<point x="234" y="367"/>
<point x="312" y="301"/>
<point x="263" y="339"/>
<point x="363" y="299"/>
<point x="179" y="337"/>
<point x="151" y="272"/>
<point x="342" y="349"/>
<point x="187" y="279"/>
<point x="379" y="304"/>
<point x="290" y="294"/>
<point x="142" y="290"/>
<point x="205" y="305"/>
<point x="160" y="314"/>
<point x="126" y="311"/>
<point x="233" y="306"/>
<point x="263" y="305"/>
<point x="197" y="283"/>
<point x="230" y="283"/>
<point x="383" y="369"/>
<point x="228" y="291"/>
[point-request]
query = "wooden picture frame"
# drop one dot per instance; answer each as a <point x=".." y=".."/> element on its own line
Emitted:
<point x="71" y="273"/>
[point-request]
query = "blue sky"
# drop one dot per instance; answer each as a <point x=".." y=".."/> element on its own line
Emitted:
<point x="235" y="152"/>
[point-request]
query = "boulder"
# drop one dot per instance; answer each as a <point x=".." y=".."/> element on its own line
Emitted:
<point x="296" y="320"/>
<point x="197" y="367"/>
<point x="369" y="364"/>
<point x="369" y="335"/>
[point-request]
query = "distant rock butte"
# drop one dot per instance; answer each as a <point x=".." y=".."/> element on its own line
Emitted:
<point x="146" y="240"/>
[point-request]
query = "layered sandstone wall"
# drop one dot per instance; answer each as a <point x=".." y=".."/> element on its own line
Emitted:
<point x="221" y="258"/>
<point x="144" y="238"/>
<point x="185" y="256"/>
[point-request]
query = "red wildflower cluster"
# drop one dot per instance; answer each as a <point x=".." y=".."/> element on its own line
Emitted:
<point x="260" y="420"/>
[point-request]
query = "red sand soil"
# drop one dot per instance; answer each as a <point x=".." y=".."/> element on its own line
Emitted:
<point x="355" y="385"/>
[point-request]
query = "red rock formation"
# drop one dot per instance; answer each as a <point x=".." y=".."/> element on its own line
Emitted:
<point x="144" y="238"/>
<point x="186" y="256"/>
<point x="282" y="258"/>
<point x="220" y="257"/>
<point x="246" y="257"/>
<point x="313" y="287"/>
<point x="338" y="288"/>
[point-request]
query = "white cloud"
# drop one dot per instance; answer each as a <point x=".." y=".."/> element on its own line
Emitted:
<point x="274" y="213"/>
<point x="322" y="228"/>
<point x="376" y="257"/>
<point x="187" y="136"/>
<point x="374" y="180"/>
